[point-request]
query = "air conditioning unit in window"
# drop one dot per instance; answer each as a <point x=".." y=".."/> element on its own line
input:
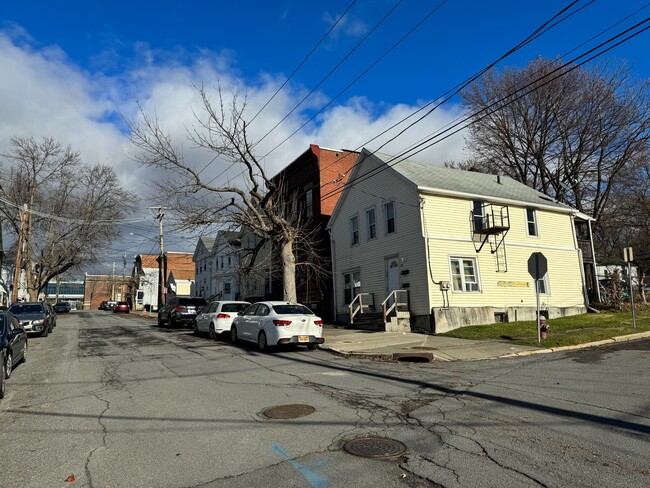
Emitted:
<point x="444" y="285"/>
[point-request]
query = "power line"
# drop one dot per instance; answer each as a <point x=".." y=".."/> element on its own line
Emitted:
<point x="322" y="39"/>
<point x="405" y="154"/>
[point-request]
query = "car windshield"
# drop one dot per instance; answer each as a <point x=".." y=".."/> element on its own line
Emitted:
<point x="25" y="308"/>
<point x="233" y="307"/>
<point x="290" y="309"/>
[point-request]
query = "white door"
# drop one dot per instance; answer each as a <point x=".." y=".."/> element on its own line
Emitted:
<point x="392" y="276"/>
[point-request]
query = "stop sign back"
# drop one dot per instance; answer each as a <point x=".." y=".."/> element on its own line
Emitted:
<point x="537" y="265"/>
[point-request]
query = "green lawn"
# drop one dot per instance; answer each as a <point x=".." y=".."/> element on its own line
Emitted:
<point x="565" y="331"/>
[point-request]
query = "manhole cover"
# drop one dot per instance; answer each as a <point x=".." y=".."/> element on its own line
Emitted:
<point x="288" y="411"/>
<point x="376" y="448"/>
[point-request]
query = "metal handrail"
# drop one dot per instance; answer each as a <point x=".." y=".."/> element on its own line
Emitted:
<point x="387" y="309"/>
<point x="360" y="306"/>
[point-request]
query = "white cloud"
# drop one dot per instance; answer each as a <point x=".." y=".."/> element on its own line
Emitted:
<point x="44" y="94"/>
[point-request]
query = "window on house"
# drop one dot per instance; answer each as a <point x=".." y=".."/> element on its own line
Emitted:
<point x="351" y="285"/>
<point x="543" y="285"/>
<point x="354" y="230"/>
<point x="226" y="287"/>
<point x="531" y="221"/>
<point x="464" y="274"/>
<point x="221" y="262"/>
<point x="478" y="211"/>
<point x="309" y="203"/>
<point x="229" y="260"/>
<point x="372" y="224"/>
<point x="389" y="217"/>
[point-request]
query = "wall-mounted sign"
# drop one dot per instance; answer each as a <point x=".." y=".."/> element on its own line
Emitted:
<point x="514" y="284"/>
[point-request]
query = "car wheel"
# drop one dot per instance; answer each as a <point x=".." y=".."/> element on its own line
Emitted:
<point x="159" y="321"/>
<point x="24" y="359"/>
<point x="233" y="334"/>
<point x="2" y="381"/>
<point x="311" y="345"/>
<point x="212" y="333"/>
<point x="262" y="344"/>
<point x="9" y="366"/>
<point x="171" y="323"/>
<point x="196" y="328"/>
<point x="44" y="333"/>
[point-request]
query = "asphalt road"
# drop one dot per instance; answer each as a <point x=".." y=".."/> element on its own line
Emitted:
<point x="113" y="401"/>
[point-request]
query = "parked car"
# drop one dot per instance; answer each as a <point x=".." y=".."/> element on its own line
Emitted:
<point x="179" y="310"/>
<point x="274" y="323"/>
<point x="33" y="317"/>
<point x="62" y="307"/>
<point x="13" y="347"/>
<point x="121" y="307"/>
<point x="102" y="305"/>
<point x="49" y="309"/>
<point x="110" y="305"/>
<point x="216" y="318"/>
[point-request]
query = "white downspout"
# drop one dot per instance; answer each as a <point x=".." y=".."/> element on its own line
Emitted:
<point x="334" y="292"/>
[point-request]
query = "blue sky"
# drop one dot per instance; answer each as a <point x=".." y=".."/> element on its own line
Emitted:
<point x="73" y="68"/>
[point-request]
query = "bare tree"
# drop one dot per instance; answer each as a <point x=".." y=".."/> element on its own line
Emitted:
<point x="578" y="138"/>
<point x="252" y="201"/>
<point x="73" y="208"/>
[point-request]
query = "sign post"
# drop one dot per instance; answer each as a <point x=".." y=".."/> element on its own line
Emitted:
<point x="628" y="256"/>
<point x="537" y="267"/>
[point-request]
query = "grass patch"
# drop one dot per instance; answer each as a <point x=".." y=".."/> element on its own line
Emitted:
<point x="564" y="331"/>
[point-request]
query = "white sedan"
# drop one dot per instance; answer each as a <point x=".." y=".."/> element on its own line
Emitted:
<point x="274" y="323"/>
<point x="216" y="318"/>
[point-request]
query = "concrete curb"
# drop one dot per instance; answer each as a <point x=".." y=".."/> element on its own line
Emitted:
<point x="395" y="356"/>
<point x="604" y="342"/>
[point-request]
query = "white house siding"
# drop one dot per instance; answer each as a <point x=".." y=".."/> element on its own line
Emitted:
<point x="149" y="285"/>
<point x="369" y="255"/>
<point x="512" y="292"/>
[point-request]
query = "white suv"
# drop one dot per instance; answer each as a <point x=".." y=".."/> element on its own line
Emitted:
<point x="216" y="318"/>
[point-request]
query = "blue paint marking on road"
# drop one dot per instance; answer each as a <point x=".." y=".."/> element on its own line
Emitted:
<point x="315" y="480"/>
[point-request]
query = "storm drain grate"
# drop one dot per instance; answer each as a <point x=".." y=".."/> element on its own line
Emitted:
<point x="293" y="411"/>
<point x="413" y="357"/>
<point x="375" y="448"/>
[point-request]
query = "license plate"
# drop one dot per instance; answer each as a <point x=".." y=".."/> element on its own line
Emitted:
<point x="303" y="339"/>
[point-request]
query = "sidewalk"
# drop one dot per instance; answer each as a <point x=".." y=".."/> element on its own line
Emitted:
<point x="409" y="346"/>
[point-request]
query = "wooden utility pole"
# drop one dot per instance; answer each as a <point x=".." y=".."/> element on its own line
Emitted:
<point x="161" y="257"/>
<point x="19" y="254"/>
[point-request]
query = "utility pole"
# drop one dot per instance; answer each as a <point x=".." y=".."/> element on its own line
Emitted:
<point x="19" y="255"/>
<point x="161" y="256"/>
<point x="113" y="283"/>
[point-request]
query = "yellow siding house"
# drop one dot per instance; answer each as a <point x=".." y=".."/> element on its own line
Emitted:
<point x="425" y="248"/>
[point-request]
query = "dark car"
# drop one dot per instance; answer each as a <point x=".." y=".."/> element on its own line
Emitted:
<point x="102" y="305"/>
<point x="34" y="317"/>
<point x="180" y="310"/>
<point x="13" y="347"/>
<point x="121" y="307"/>
<point x="62" y="307"/>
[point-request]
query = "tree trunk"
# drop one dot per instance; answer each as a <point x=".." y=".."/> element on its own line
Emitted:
<point x="288" y="271"/>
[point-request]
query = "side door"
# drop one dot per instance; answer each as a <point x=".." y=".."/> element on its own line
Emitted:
<point x="18" y="339"/>
<point x="244" y="322"/>
<point x="209" y="314"/>
<point x="202" y="318"/>
<point x="257" y="320"/>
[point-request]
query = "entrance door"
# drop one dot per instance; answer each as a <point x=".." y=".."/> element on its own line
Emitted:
<point x="392" y="276"/>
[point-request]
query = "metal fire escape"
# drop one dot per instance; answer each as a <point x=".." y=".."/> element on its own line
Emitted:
<point x="491" y="225"/>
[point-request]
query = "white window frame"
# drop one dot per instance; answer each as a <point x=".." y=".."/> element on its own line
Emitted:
<point x="464" y="284"/>
<point x="354" y="230"/>
<point x="547" y="290"/>
<point x="373" y="226"/>
<point x="533" y="222"/>
<point x="351" y="286"/>
<point x="393" y="206"/>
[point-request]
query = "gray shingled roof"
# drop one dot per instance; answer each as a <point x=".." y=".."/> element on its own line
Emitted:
<point x="208" y="242"/>
<point x="427" y="176"/>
